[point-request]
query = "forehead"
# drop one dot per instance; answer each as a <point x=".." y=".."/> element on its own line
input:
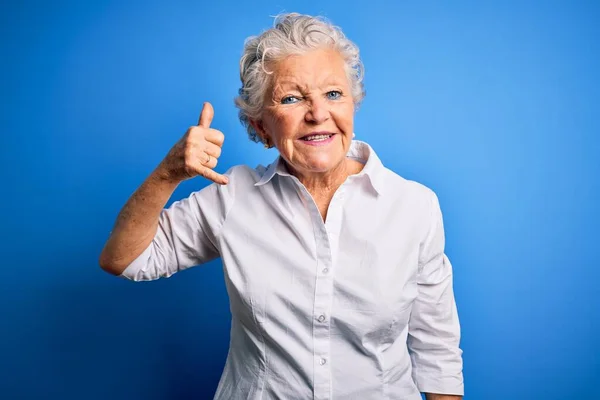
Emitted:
<point x="313" y="68"/>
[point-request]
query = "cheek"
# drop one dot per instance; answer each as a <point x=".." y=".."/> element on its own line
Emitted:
<point x="284" y="125"/>
<point x="273" y="125"/>
<point x="344" y="116"/>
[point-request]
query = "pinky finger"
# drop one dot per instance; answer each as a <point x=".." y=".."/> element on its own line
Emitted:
<point x="213" y="176"/>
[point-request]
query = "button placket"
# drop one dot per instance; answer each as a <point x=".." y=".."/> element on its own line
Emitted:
<point x="322" y="299"/>
<point x="322" y="304"/>
<point x="321" y="329"/>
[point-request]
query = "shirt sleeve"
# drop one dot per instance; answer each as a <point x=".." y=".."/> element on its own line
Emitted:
<point x="434" y="329"/>
<point x="187" y="235"/>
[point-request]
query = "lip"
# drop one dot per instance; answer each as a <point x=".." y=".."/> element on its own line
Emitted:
<point x="320" y="142"/>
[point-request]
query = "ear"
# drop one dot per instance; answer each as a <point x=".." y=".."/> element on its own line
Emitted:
<point x="260" y="129"/>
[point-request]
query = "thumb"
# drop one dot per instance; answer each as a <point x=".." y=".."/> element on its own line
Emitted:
<point x="206" y="116"/>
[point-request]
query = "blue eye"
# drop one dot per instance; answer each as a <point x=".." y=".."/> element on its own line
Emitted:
<point x="334" y="95"/>
<point x="289" y="100"/>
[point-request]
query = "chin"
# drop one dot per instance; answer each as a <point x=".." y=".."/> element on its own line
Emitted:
<point x="322" y="164"/>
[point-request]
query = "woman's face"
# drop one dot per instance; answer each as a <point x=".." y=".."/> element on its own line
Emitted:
<point x="309" y="111"/>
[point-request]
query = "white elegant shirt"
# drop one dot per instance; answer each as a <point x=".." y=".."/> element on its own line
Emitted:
<point x="360" y="306"/>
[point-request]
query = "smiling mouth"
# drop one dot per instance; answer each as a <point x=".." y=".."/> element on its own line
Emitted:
<point x="318" y="137"/>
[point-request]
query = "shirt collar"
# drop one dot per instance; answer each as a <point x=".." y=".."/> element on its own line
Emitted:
<point x="360" y="151"/>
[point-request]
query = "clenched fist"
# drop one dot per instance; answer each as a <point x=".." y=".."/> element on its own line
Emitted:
<point x="197" y="152"/>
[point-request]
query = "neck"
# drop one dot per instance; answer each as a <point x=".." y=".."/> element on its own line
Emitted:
<point x="322" y="186"/>
<point x="326" y="183"/>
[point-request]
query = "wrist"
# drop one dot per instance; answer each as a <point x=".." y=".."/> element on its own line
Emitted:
<point x="162" y="177"/>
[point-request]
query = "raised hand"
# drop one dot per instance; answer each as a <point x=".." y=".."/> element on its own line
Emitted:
<point x="197" y="152"/>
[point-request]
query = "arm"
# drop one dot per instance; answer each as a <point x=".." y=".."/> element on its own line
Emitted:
<point x="186" y="236"/>
<point x="434" y="330"/>
<point x="137" y="225"/>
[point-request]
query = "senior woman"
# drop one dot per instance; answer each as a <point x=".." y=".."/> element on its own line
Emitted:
<point x="334" y="265"/>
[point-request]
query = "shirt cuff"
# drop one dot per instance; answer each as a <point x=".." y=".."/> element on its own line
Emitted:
<point x="451" y="385"/>
<point x="134" y="271"/>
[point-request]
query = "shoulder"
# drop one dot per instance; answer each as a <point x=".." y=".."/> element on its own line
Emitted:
<point x="242" y="179"/>
<point x="399" y="187"/>
<point x="388" y="182"/>
<point x="239" y="176"/>
<point x="243" y="175"/>
<point x="221" y="198"/>
<point x="414" y="200"/>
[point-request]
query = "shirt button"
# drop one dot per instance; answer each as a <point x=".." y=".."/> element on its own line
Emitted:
<point x="321" y="318"/>
<point x="325" y="270"/>
<point x="322" y="361"/>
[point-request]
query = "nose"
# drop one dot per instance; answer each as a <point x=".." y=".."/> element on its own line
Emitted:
<point x="318" y="111"/>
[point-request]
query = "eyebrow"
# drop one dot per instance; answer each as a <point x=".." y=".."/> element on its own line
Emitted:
<point x="288" y="83"/>
<point x="329" y="81"/>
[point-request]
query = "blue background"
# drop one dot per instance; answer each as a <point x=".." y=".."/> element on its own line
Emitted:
<point x="495" y="107"/>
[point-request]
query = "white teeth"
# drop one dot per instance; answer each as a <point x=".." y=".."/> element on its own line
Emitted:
<point x="317" y="137"/>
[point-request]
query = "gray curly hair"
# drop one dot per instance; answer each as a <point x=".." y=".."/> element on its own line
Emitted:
<point x="292" y="33"/>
